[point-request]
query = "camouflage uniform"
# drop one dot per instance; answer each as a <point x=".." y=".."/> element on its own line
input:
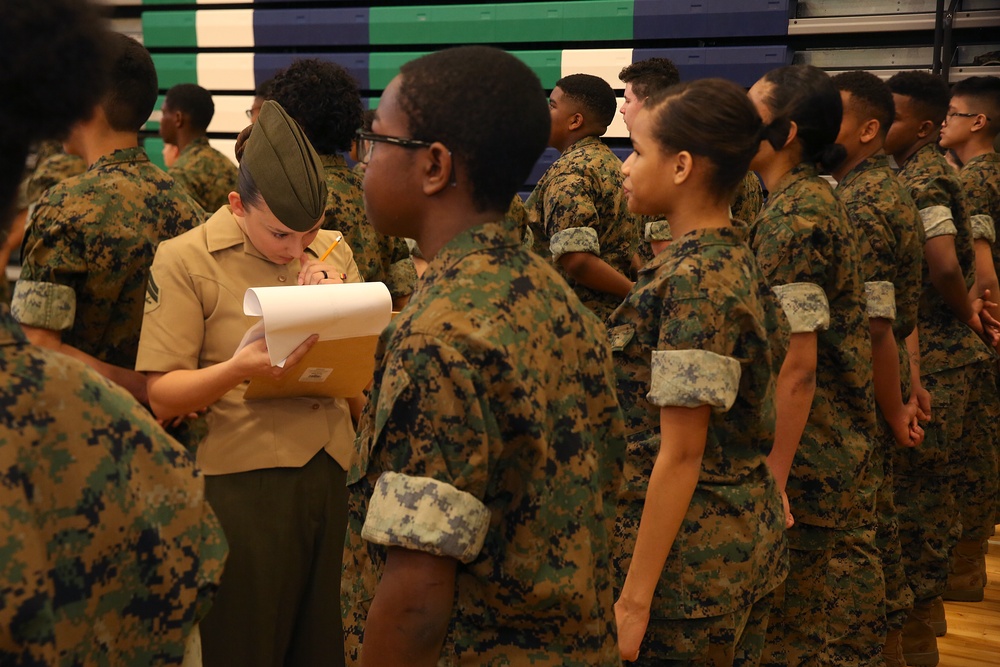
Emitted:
<point x="977" y="488"/>
<point x="493" y="423"/>
<point x="88" y="248"/>
<point x="380" y="258"/>
<point x="52" y="166"/>
<point x="110" y="552"/>
<point x="892" y="243"/>
<point x="951" y="356"/>
<point x="833" y="608"/>
<point x="206" y="174"/>
<point x="579" y="206"/>
<point x="698" y="329"/>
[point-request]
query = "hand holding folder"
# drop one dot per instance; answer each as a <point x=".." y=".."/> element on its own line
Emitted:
<point x="348" y="319"/>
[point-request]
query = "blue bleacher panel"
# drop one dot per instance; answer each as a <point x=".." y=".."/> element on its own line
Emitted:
<point x="742" y="64"/>
<point x="311" y="27"/>
<point x="356" y="64"/>
<point x="696" y="19"/>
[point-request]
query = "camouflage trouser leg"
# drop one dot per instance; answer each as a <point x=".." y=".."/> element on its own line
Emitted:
<point x="976" y="481"/>
<point x="834" y="605"/>
<point x="718" y="641"/>
<point x="898" y="595"/>
<point x="924" y="479"/>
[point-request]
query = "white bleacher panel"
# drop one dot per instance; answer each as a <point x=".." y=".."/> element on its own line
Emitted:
<point x="225" y="146"/>
<point x="617" y="127"/>
<point x="230" y="113"/>
<point x="226" y="71"/>
<point x="605" y="63"/>
<point x="224" y="27"/>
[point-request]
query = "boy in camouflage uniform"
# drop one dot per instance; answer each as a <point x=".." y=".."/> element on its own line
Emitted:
<point x="99" y="566"/>
<point x="952" y="358"/>
<point x="91" y="238"/>
<point x="577" y="211"/>
<point x="482" y="504"/>
<point x="892" y="244"/>
<point x="971" y="124"/>
<point x="325" y="101"/>
<point x="205" y="173"/>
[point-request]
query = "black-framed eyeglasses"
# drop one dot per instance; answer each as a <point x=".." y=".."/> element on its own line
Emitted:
<point x="367" y="141"/>
<point x="962" y="114"/>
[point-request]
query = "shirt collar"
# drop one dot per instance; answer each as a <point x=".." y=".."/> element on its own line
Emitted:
<point x="134" y="154"/>
<point x="489" y="236"/>
<point x="731" y="236"/>
<point x="223" y="232"/>
<point x="876" y="161"/>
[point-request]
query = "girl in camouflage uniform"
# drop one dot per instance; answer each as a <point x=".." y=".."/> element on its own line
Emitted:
<point x="700" y="523"/>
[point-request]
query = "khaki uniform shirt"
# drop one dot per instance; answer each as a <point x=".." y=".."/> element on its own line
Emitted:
<point x="945" y="342"/>
<point x="206" y="174"/>
<point x="194" y="319"/>
<point x="579" y="205"/>
<point x="87" y="250"/>
<point x="810" y="255"/>
<point x="380" y="258"/>
<point x="493" y="436"/>
<point x="700" y="328"/>
<point x="110" y="553"/>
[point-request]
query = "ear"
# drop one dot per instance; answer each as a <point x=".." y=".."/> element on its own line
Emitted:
<point x="869" y="131"/>
<point x="438" y="168"/>
<point x="793" y="133"/>
<point x="979" y="123"/>
<point x="575" y="121"/>
<point x="180" y="120"/>
<point x="683" y="167"/>
<point x="926" y="129"/>
<point x="236" y="202"/>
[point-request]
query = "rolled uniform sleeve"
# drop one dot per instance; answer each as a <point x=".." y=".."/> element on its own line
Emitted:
<point x="431" y="436"/>
<point x="52" y="269"/>
<point x="571" y="217"/>
<point x="880" y="296"/>
<point x="984" y="228"/>
<point x="938" y="221"/>
<point x="806" y="306"/>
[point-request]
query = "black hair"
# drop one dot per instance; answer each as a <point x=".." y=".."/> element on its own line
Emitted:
<point x="805" y="95"/>
<point x="193" y="100"/>
<point x="594" y="94"/>
<point x="496" y="126"/>
<point x="712" y="118"/>
<point x="367" y="118"/>
<point x="650" y="76"/>
<point x="323" y="98"/>
<point x="246" y="187"/>
<point x="985" y="91"/>
<point x="869" y="95"/>
<point x="132" y="88"/>
<point x="264" y="89"/>
<point x="50" y="46"/>
<point x="928" y="93"/>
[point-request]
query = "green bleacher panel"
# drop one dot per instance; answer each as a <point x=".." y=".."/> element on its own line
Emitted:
<point x="174" y="68"/>
<point x="570" y="21"/>
<point x="169" y="29"/>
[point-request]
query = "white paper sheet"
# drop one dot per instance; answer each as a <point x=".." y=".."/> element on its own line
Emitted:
<point x="293" y="313"/>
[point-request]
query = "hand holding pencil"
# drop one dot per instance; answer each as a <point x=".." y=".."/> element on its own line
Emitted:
<point x="317" y="271"/>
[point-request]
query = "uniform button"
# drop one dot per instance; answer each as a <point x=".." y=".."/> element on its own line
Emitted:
<point x="281" y="279"/>
<point x="315" y="406"/>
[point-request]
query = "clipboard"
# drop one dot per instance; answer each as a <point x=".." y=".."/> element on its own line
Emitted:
<point x="349" y="319"/>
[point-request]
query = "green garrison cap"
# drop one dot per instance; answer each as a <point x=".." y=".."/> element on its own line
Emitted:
<point x="286" y="169"/>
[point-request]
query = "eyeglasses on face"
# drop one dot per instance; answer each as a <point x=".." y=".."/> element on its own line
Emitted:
<point x="367" y="141"/>
<point x="962" y="114"/>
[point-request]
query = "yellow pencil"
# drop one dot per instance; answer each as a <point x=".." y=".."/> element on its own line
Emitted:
<point x="330" y="249"/>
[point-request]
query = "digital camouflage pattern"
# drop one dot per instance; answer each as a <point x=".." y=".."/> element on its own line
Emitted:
<point x="88" y="248"/>
<point x="980" y="181"/>
<point x="108" y="551"/>
<point x="749" y="199"/>
<point x="705" y="300"/>
<point x="380" y="258"/>
<point x="579" y="205"/>
<point x="206" y="174"/>
<point x="945" y="342"/>
<point x="52" y="166"/>
<point x="892" y="242"/>
<point x="803" y="236"/>
<point x="497" y="382"/>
